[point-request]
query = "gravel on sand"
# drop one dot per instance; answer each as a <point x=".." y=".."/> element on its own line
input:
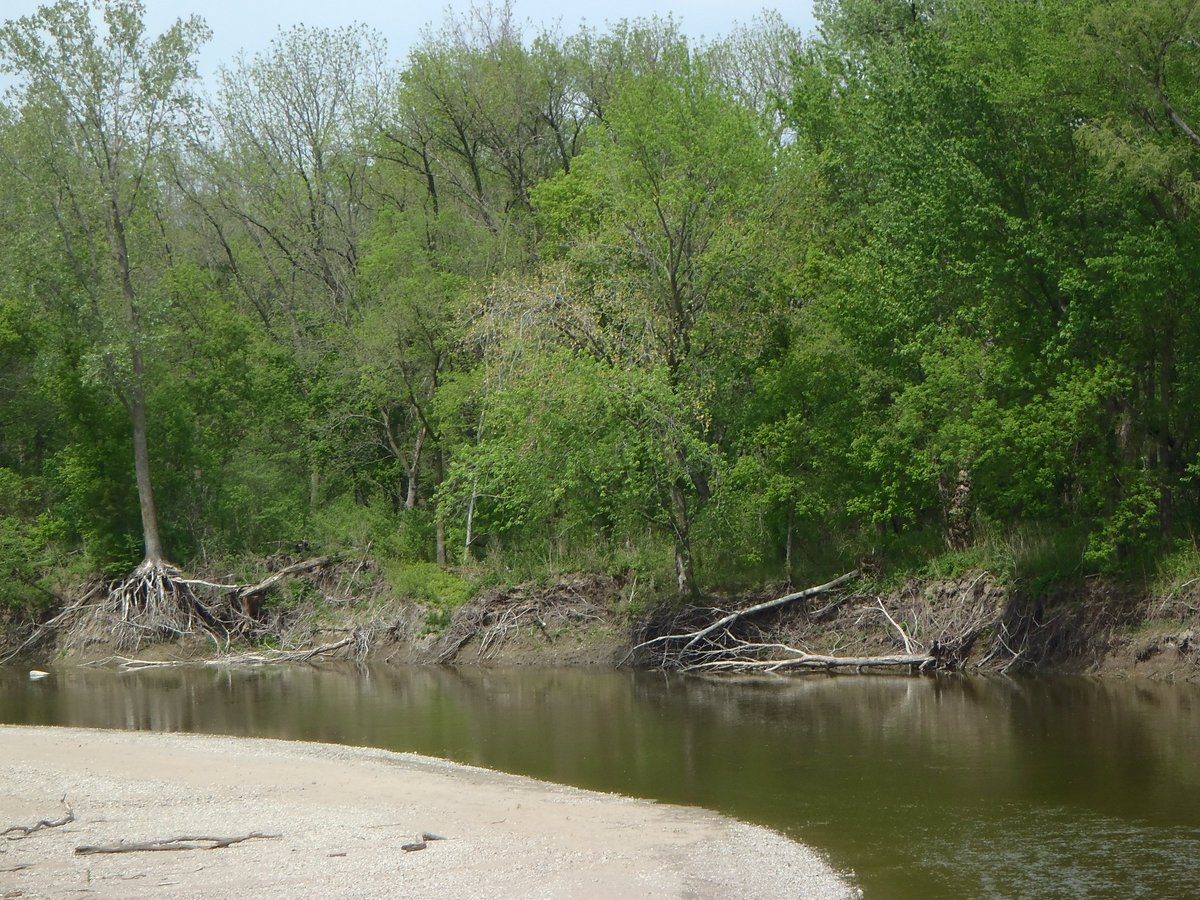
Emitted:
<point x="342" y="816"/>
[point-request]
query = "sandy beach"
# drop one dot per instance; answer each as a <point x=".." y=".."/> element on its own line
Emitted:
<point x="342" y="815"/>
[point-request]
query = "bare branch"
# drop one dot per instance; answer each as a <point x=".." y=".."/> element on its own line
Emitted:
<point x="184" y="842"/>
<point x="17" y="832"/>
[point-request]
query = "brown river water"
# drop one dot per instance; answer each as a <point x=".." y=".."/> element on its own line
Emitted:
<point x="916" y="787"/>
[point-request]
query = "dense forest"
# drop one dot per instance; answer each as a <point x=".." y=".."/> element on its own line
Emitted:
<point x="920" y="285"/>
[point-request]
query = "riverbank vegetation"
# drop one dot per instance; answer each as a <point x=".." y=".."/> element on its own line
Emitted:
<point x="913" y="294"/>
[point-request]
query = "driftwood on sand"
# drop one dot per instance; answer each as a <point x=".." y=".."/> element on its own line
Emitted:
<point x="17" y="832"/>
<point x="183" y="842"/>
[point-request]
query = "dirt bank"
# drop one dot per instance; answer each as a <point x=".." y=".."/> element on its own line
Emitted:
<point x="977" y="621"/>
<point x="342" y="815"/>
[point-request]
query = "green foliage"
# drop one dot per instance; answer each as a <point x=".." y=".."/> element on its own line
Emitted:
<point x="614" y="301"/>
<point x="1177" y="570"/>
<point x="343" y="524"/>
<point x="1128" y="536"/>
<point x="20" y="549"/>
<point x="438" y="590"/>
<point x="1034" y="557"/>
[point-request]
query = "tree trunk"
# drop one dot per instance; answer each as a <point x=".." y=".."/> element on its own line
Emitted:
<point x="788" y="546"/>
<point x="410" y="497"/>
<point x="684" y="570"/>
<point x="470" y="539"/>
<point x="440" y="532"/>
<point x="1166" y="443"/>
<point x="440" y="522"/>
<point x="151" y="540"/>
<point x="958" y="508"/>
<point x="314" y="487"/>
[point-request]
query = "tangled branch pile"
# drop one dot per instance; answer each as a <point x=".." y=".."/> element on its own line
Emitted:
<point x="494" y="616"/>
<point x="158" y="601"/>
<point x="924" y="638"/>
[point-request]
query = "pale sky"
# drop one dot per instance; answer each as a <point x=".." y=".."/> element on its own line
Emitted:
<point x="250" y="24"/>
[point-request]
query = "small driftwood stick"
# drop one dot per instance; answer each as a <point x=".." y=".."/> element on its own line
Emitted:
<point x="184" y="842"/>
<point x="16" y="832"/>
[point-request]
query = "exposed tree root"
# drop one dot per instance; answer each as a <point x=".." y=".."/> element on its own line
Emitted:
<point x="17" y="832"/>
<point x="184" y="842"/>
<point x="158" y="601"/>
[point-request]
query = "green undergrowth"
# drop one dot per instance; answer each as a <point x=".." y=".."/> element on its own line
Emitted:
<point x="1036" y="558"/>
<point x="1177" y="572"/>
<point x="439" y="590"/>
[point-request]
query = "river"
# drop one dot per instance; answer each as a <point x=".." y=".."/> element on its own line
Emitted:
<point x="919" y="787"/>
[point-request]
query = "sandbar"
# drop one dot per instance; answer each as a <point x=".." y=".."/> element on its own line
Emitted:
<point x="343" y="815"/>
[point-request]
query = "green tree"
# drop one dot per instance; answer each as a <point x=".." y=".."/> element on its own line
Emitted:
<point x="99" y="111"/>
<point x="656" y="223"/>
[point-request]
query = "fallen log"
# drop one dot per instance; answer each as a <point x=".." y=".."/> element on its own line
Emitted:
<point x="722" y="646"/>
<point x="184" y="842"/>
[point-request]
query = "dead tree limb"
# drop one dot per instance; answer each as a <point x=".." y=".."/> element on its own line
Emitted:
<point x="307" y="565"/>
<point x="924" y="642"/>
<point x="248" y="590"/>
<point x="728" y="620"/>
<point x="817" y="661"/>
<point x="357" y="644"/>
<point x="184" y="842"/>
<point x="743" y="656"/>
<point x="16" y="832"/>
<point x="908" y="645"/>
<point x="687" y="642"/>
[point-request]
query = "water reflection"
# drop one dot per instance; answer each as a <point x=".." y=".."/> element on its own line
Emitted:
<point x="924" y="787"/>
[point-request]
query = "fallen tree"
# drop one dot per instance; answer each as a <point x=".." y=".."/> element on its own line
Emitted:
<point x="724" y="644"/>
